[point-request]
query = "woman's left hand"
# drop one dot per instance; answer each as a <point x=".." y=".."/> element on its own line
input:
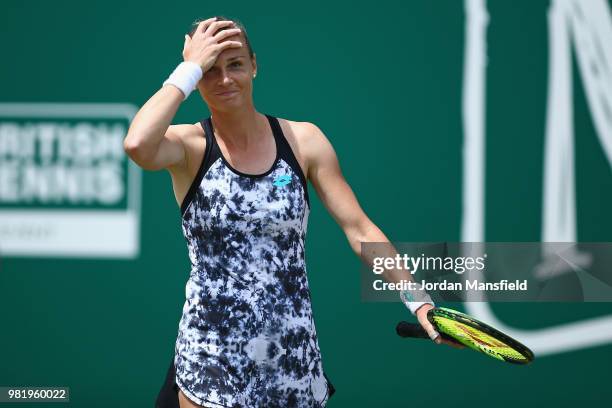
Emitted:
<point x="421" y="315"/>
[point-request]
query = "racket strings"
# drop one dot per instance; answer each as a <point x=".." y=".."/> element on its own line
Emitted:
<point x="478" y="340"/>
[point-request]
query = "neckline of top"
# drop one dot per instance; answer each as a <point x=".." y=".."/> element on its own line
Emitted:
<point x="240" y="173"/>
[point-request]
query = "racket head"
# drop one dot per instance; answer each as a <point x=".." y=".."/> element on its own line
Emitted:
<point x="479" y="336"/>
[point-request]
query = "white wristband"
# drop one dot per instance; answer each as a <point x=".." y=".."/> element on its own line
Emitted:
<point x="185" y="77"/>
<point x="413" y="299"/>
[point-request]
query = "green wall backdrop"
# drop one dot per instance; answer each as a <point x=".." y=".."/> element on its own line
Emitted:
<point x="384" y="81"/>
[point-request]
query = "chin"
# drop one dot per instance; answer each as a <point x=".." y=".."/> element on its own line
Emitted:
<point x="228" y="106"/>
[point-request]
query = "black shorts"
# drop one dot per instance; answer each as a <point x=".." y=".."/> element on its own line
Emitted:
<point x="168" y="395"/>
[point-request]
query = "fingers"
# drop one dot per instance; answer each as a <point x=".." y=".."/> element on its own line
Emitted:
<point x="429" y="329"/>
<point x="215" y="26"/>
<point x="453" y="344"/>
<point x="228" y="44"/>
<point x="223" y="34"/>
<point x="438" y="339"/>
<point x="204" y="24"/>
<point x="433" y="334"/>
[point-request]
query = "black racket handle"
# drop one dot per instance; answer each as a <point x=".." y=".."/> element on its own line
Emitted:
<point x="415" y="330"/>
<point x="405" y="329"/>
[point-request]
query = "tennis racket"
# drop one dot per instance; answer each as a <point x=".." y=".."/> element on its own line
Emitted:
<point x="470" y="332"/>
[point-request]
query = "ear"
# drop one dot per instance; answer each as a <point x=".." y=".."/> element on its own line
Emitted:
<point x="254" y="63"/>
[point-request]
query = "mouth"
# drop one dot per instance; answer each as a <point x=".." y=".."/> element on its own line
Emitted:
<point x="226" y="93"/>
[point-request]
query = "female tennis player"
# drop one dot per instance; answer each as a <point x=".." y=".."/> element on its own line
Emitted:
<point x="246" y="336"/>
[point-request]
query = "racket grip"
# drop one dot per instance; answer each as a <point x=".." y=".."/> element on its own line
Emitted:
<point x="405" y="329"/>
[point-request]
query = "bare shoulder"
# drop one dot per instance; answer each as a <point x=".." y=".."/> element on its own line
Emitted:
<point x="308" y="143"/>
<point x="191" y="137"/>
<point x="185" y="132"/>
<point x="307" y="137"/>
<point x="302" y="132"/>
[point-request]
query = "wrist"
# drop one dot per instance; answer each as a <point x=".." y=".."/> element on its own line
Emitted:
<point x="185" y="77"/>
<point x="421" y="307"/>
<point x="414" y="299"/>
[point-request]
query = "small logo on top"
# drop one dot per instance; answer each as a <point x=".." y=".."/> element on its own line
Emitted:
<point x="282" y="180"/>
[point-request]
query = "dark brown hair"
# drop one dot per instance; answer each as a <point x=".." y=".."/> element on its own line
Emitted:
<point x="237" y="24"/>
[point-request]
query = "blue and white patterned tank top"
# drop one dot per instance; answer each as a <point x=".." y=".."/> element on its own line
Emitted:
<point x="247" y="336"/>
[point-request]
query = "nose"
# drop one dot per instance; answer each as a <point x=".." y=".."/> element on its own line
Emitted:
<point x="226" y="79"/>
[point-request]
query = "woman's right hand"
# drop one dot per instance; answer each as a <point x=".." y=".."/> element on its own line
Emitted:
<point x="207" y="42"/>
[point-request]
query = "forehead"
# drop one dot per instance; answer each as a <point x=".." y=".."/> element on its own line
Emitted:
<point x="230" y="53"/>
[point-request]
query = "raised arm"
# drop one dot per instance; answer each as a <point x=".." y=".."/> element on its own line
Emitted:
<point x="151" y="141"/>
